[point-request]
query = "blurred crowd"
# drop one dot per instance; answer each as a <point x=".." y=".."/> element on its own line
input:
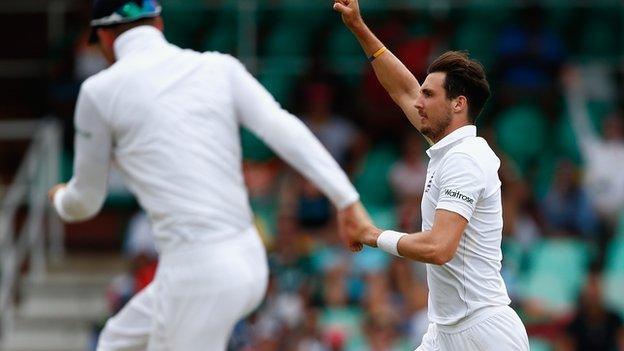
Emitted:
<point x="556" y="121"/>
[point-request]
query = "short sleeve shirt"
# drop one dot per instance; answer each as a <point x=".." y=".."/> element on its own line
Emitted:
<point x="462" y="177"/>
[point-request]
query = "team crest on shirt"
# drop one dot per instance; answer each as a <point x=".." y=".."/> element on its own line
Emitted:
<point x="429" y="182"/>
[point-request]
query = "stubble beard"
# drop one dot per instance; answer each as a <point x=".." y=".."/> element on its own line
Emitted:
<point x="435" y="131"/>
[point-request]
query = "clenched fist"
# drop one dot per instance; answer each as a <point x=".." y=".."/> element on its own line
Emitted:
<point x="350" y="13"/>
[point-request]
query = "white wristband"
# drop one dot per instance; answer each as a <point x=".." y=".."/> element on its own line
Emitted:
<point x="388" y="241"/>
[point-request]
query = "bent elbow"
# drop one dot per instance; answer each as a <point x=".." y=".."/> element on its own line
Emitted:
<point x="441" y="258"/>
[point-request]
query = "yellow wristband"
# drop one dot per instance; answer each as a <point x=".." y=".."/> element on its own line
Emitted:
<point x="377" y="53"/>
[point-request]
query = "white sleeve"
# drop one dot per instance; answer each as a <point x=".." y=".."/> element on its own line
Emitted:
<point x="285" y="134"/>
<point x="461" y="183"/>
<point x="85" y="193"/>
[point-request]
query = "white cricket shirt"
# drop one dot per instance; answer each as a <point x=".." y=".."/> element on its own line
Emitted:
<point x="169" y="118"/>
<point x="462" y="177"/>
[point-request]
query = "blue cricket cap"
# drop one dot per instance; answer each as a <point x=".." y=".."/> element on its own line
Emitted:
<point x="108" y="13"/>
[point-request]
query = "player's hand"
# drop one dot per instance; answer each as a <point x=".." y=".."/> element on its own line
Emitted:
<point x="355" y="226"/>
<point x="350" y="12"/>
<point x="53" y="191"/>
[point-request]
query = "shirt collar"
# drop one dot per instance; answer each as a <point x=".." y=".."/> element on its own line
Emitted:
<point x="137" y="39"/>
<point x="455" y="136"/>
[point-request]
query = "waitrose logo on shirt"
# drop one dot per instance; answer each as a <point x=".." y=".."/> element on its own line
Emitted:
<point x="456" y="194"/>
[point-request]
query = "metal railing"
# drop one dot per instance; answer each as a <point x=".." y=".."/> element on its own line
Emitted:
<point x="25" y="216"/>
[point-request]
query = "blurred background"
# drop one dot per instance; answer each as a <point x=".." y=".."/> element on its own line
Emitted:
<point x="561" y="144"/>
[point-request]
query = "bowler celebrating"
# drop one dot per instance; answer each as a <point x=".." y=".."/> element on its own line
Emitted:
<point x="461" y="206"/>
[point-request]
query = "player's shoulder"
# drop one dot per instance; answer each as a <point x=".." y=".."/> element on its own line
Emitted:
<point x="476" y="150"/>
<point x="99" y="83"/>
<point x="222" y="59"/>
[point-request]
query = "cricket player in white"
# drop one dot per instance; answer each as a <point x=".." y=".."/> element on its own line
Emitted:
<point x="461" y="207"/>
<point x="169" y="118"/>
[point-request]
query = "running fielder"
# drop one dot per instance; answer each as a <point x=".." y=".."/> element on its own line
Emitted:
<point x="170" y="120"/>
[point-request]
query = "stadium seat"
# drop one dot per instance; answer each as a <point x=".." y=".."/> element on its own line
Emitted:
<point x="371" y="180"/>
<point x="383" y="216"/>
<point x="279" y="84"/>
<point x="253" y="148"/>
<point x="478" y="37"/>
<point x="558" y="16"/>
<point x="521" y="133"/>
<point x="538" y="344"/>
<point x="341" y="42"/>
<point x="265" y="218"/>
<point x="558" y="268"/>
<point x="184" y="21"/>
<point x="513" y="265"/>
<point x="286" y="40"/>
<point x="222" y="36"/>
<point x="371" y="260"/>
<point x="306" y="14"/>
<point x="345" y="56"/>
<point x="614" y="273"/>
<point x="513" y="256"/>
<point x="598" y="39"/>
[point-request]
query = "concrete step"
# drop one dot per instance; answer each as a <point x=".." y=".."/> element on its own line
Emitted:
<point x="59" y="311"/>
<point x="90" y="309"/>
<point x="66" y="284"/>
<point x="48" y="339"/>
<point x="90" y="263"/>
<point x="62" y="325"/>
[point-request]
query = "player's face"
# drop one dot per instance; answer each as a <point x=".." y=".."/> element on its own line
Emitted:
<point x="433" y="107"/>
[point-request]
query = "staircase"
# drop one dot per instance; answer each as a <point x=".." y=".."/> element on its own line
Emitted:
<point x="61" y="312"/>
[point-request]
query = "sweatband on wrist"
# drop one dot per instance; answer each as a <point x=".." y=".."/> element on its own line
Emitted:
<point x="388" y="241"/>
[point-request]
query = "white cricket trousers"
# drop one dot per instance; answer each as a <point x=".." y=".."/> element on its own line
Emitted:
<point x="198" y="294"/>
<point x="499" y="329"/>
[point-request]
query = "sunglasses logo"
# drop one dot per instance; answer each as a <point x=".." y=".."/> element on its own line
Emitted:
<point x="132" y="9"/>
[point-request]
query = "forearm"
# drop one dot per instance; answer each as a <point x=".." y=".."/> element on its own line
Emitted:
<point x="420" y="246"/>
<point x="579" y="117"/>
<point x="398" y="81"/>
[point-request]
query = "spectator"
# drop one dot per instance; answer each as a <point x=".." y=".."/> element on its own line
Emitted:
<point x="566" y="205"/>
<point x="594" y="327"/>
<point x="339" y="321"/>
<point x="407" y="178"/>
<point x="603" y="156"/>
<point x="140" y="251"/>
<point x="530" y="53"/>
<point x="335" y="132"/>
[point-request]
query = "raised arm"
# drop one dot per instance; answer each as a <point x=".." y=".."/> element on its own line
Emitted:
<point x="576" y="103"/>
<point x="398" y="81"/>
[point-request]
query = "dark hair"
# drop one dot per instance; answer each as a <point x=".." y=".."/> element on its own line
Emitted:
<point x="464" y="76"/>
